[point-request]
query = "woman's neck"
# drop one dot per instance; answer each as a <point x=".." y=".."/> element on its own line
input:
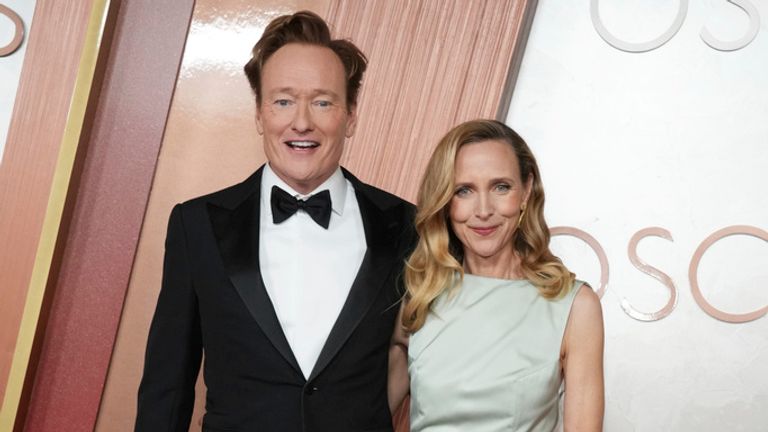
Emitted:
<point x="500" y="266"/>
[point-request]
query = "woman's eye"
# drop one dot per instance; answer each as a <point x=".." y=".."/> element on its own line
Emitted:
<point x="462" y="191"/>
<point x="502" y="187"/>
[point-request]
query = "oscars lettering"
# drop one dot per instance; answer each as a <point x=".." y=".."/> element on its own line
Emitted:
<point x="682" y="10"/>
<point x="665" y="279"/>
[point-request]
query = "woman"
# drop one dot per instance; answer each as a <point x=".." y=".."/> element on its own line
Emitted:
<point x="494" y="325"/>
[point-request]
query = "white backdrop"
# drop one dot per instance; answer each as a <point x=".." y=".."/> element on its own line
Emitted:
<point x="675" y="137"/>
<point x="10" y="66"/>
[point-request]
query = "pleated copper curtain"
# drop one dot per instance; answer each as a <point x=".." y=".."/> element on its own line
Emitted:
<point x="433" y="64"/>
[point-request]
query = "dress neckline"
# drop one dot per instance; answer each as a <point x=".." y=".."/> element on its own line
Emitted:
<point x="496" y="280"/>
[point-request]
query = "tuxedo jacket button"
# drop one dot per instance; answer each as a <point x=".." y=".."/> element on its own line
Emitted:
<point x="310" y="390"/>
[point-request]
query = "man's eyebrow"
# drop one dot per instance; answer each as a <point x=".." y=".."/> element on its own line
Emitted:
<point x="324" y="92"/>
<point x="315" y="92"/>
<point x="289" y="90"/>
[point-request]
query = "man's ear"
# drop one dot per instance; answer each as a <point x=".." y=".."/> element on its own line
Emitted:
<point x="351" y="121"/>
<point x="259" y="126"/>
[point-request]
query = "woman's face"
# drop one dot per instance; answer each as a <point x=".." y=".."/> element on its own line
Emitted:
<point x="488" y="196"/>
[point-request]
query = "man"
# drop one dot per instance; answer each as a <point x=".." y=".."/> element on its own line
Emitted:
<point x="292" y="300"/>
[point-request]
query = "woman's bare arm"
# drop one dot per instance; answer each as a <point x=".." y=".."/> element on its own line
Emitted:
<point x="582" y="358"/>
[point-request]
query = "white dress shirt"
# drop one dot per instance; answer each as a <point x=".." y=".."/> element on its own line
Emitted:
<point x="308" y="270"/>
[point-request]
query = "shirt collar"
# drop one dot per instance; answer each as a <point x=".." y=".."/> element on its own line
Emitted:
<point x="336" y="185"/>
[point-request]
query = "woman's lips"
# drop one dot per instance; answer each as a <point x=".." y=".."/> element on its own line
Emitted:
<point x="484" y="231"/>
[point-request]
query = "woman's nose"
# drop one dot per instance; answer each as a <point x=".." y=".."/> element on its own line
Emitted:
<point x="484" y="206"/>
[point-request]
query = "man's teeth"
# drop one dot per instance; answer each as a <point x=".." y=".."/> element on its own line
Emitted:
<point x="302" y="144"/>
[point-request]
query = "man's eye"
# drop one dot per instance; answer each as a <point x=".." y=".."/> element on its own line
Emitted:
<point x="282" y="103"/>
<point x="323" y="104"/>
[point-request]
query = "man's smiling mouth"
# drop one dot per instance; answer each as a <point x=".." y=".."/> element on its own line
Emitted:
<point x="302" y="144"/>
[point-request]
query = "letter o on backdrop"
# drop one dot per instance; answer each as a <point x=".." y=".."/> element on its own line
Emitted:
<point x="693" y="274"/>
<point x="594" y="245"/>
<point x="18" y="36"/>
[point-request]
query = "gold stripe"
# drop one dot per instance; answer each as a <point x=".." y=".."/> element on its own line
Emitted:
<point x="53" y="214"/>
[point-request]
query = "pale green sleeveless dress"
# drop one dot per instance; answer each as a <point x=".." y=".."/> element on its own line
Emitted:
<point x="488" y="359"/>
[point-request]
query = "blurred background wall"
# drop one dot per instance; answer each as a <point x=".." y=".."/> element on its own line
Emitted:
<point x="650" y="139"/>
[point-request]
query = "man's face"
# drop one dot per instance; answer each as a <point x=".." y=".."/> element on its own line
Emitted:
<point x="303" y="115"/>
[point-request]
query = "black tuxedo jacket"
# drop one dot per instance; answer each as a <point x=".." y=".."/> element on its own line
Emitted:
<point x="213" y="300"/>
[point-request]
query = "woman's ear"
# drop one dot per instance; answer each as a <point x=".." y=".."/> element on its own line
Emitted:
<point x="528" y="189"/>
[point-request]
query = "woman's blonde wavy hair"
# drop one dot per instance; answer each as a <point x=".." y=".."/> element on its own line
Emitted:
<point x="438" y="256"/>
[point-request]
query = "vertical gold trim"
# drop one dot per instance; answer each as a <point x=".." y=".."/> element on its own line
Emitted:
<point x="53" y="214"/>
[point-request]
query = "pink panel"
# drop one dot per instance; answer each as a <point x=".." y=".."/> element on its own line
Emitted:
<point x="115" y="179"/>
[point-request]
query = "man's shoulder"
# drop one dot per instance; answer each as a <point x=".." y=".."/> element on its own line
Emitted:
<point x="228" y="197"/>
<point x="383" y="199"/>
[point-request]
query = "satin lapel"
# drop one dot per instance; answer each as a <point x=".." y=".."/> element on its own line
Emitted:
<point x="377" y="263"/>
<point x="237" y="234"/>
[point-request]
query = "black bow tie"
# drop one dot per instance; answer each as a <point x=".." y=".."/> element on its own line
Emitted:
<point x="318" y="206"/>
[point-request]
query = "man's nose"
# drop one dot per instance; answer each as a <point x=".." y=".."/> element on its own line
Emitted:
<point x="302" y="118"/>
